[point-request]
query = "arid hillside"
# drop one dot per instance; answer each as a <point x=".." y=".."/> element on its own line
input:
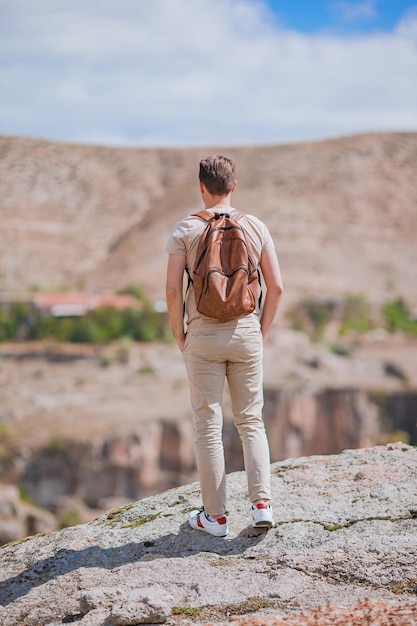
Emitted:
<point x="342" y="213"/>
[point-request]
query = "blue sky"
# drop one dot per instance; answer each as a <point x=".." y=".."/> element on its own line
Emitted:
<point x="318" y="16"/>
<point x="192" y="72"/>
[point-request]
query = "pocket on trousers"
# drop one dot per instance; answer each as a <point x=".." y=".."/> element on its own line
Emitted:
<point x="202" y="343"/>
<point x="248" y="344"/>
<point x="252" y="332"/>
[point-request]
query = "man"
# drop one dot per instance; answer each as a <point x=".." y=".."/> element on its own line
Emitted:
<point x="214" y="350"/>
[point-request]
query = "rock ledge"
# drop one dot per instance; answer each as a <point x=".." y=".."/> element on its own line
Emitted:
<point x="345" y="537"/>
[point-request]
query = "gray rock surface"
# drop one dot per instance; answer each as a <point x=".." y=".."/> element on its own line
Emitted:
<point x="346" y="531"/>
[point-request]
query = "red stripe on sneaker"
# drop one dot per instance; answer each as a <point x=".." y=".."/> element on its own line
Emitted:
<point x="199" y="523"/>
<point x="261" y="505"/>
<point x="221" y="520"/>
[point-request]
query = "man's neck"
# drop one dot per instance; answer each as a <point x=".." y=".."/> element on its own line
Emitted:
<point x="217" y="202"/>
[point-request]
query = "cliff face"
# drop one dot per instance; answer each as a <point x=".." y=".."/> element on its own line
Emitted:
<point x="345" y="532"/>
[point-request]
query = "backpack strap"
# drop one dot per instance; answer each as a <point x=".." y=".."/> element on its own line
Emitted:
<point x="207" y="216"/>
<point x="190" y="280"/>
<point x="189" y="283"/>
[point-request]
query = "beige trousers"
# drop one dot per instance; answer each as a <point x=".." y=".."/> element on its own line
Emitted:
<point x="210" y="357"/>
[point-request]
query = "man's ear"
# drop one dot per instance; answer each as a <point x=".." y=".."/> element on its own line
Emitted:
<point x="202" y="187"/>
<point x="234" y="186"/>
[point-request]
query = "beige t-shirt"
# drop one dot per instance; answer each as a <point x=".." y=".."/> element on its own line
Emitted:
<point x="183" y="241"/>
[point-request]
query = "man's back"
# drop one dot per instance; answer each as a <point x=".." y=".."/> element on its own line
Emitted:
<point x="184" y="240"/>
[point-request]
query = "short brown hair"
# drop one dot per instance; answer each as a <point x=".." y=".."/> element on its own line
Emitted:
<point x="217" y="173"/>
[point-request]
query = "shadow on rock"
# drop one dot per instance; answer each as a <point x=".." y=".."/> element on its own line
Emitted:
<point x="186" y="543"/>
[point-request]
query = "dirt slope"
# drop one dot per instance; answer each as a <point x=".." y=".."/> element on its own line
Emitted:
<point x="342" y="212"/>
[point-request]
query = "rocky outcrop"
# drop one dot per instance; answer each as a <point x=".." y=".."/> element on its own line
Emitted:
<point x="345" y="534"/>
<point x="78" y="479"/>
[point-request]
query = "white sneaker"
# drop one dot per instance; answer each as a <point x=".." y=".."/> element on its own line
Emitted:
<point x="262" y="515"/>
<point x="198" y="520"/>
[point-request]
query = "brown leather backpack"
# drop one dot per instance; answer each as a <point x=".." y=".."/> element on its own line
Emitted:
<point x="225" y="277"/>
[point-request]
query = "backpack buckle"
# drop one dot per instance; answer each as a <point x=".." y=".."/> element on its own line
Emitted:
<point x="217" y="216"/>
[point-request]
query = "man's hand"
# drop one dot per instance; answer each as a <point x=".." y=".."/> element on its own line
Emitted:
<point x="181" y="343"/>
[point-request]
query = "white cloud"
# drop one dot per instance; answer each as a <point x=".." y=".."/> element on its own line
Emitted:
<point x="354" y="11"/>
<point x="187" y="72"/>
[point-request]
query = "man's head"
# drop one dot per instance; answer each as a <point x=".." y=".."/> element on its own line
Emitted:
<point x="217" y="173"/>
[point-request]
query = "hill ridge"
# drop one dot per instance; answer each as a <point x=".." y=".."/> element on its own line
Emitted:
<point x="341" y="211"/>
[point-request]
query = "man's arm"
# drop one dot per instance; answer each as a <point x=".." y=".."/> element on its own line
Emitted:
<point x="273" y="281"/>
<point x="174" y="296"/>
